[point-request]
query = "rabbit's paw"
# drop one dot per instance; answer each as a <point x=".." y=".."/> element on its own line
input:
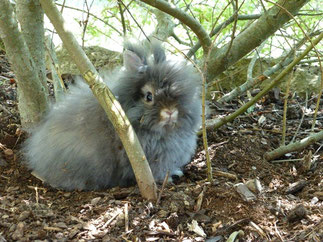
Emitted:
<point x="178" y="173"/>
<point x="175" y="176"/>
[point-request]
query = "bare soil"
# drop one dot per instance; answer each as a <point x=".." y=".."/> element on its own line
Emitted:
<point x="192" y="209"/>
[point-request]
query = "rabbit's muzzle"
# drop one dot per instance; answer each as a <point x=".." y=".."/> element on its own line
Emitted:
<point x="169" y="116"/>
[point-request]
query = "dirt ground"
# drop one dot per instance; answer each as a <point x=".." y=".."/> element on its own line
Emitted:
<point x="192" y="209"/>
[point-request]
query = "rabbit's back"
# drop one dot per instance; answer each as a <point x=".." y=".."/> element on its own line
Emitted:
<point x="76" y="146"/>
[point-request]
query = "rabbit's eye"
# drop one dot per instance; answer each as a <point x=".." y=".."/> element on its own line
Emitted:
<point x="148" y="92"/>
<point x="149" y="97"/>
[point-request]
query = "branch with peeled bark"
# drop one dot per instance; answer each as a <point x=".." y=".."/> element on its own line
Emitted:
<point x="252" y="37"/>
<point x="107" y="100"/>
<point x="294" y="146"/>
<point x="32" y="96"/>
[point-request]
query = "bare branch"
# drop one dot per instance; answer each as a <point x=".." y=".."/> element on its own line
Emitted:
<point x="222" y="26"/>
<point x="188" y="20"/>
<point x="134" y="19"/>
<point x="122" y="18"/>
<point x="294" y="146"/>
<point x="253" y="62"/>
<point x="252" y="37"/>
<point x="285" y="60"/>
<point x="86" y="21"/>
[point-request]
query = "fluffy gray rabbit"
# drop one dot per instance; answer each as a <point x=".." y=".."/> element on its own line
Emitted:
<point x="76" y="146"/>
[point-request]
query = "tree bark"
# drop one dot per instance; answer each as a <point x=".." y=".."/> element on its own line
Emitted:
<point x="107" y="100"/>
<point x="32" y="97"/>
<point x="31" y="18"/>
<point x="246" y="41"/>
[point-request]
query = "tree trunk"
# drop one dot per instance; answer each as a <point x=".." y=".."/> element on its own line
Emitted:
<point x="32" y="97"/>
<point x="31" y="18"/>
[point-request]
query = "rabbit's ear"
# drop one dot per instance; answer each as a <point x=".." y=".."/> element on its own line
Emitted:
<point x="159" y="53"/>
<point x="131" y="61"/>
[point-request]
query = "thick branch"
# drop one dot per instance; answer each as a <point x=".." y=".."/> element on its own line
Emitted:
<point x="186" y="19"/>
<point x="259" y="31"/>
<point x="218" y="123"/>
<point x="107" y="100"/>
<point x="294" y="146"/>
<point x="285" y="60"/>
<point x="221" y="26"/>
<point x="32" y="101"/>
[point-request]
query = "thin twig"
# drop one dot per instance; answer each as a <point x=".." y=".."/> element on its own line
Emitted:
<point x="3" y="108"/>
<point x="318" y="149"/>
<point x="253" y="62"/>
<point x="110" y="220"/>
<point x="288" y="160"/>
<point x="162" y="188"/>
<point x="277" y="232"/>
<point x="302" y="119"/>
<point x="122" y="18"/>
<point x="179" y="40"/>
<point x="234" y="28"/>
<point x="86" y="21"/>
<point x="213" y="29"/>
<point x="226" y="174"/>
<point x="92" y="15"/>
<point x="134" y="19"/>
<point x="189" y="9"/>
<point x="221" y="26"/>
<point x="126" y="217"/>
<point x="285" y="108"/>
<point x="63" y="5"/>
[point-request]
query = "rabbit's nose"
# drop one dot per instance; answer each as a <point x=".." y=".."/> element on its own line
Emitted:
<point x="169" y="114"/>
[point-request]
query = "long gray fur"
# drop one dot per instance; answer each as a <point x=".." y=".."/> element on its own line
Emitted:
<point x="76" y="147"/>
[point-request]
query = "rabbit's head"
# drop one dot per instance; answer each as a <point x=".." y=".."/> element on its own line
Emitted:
<point x="159" y="95"/>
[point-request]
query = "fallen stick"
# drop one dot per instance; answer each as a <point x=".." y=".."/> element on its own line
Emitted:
<point x="294" y="146"/>
<point x="225" y="174"/>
